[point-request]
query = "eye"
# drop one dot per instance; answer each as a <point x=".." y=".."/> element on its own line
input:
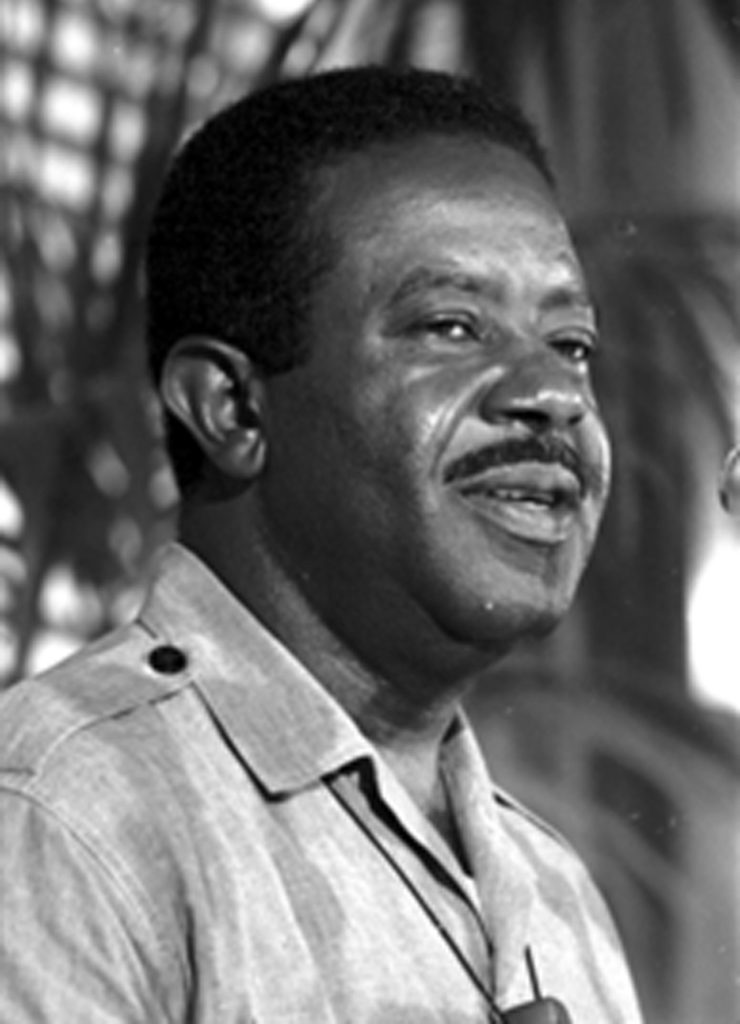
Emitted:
<point x="575" y="348"/>
<point x="451" y="327"/>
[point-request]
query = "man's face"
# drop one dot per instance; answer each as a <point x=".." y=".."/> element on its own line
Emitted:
<point x="437" y="470"/>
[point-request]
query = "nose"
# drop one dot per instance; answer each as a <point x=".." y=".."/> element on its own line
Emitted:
<point x="539" y="392"/>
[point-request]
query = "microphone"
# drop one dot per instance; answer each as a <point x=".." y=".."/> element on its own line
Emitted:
<point x="542" y="1010"/>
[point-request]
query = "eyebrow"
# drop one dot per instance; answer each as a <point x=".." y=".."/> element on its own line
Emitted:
<point x="568" y="298"/>
<point x="424" y="279"/>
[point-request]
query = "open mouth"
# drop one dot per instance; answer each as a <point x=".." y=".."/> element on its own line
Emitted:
<point x="543" y="499"/>
<point x="536" y="502"/>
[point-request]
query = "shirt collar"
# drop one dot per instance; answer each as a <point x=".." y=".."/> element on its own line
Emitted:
<point x="278" y="717"/>
<point x="291" y="733"/>
<point x="281" y="721"/>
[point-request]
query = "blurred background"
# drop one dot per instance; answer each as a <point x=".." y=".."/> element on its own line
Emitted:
<point x="624" y="727"/>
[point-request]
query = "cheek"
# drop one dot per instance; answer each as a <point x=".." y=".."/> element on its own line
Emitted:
<point x="412" y="416"/>
<point x="606" y="463"/>
<point x="600" y="459"/>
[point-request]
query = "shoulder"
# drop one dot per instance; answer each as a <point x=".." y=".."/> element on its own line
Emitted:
<point x="571" y="925"/>
<point x="110" y="679"/>
<point x="563" y="879"/>
<point x="88" y="747"/>
<point x="76" y="819"/>
<point x="558" y="866"/>
<point x="90" y="770"/>
<point x="520" y="818"/>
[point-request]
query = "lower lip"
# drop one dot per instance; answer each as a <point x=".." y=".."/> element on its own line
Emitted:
<point x="535" y="524"/>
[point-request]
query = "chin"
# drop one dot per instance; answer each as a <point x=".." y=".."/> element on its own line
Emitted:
<point x="494" y="626"/>
<point x="490" y="603"/>
<point x="516" y="623"/>
<point x="518" y="610"/>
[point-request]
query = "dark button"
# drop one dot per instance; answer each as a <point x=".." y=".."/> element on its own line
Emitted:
<point x="167" y="659"/>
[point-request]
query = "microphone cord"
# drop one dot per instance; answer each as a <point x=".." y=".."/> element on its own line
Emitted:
<point x="495" y="1014"/>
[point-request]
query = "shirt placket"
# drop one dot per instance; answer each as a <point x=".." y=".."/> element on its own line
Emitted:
<point x="504" y="881"/>
<point x="419" y="859"/>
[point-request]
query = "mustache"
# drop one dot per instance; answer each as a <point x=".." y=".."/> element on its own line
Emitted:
<point x="534" y="448"/>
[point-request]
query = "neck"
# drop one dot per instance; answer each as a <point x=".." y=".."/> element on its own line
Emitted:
<point x="404" y="709"/>
<point x="417" y="768"/>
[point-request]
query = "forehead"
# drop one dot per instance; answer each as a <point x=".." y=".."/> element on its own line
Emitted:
<point x="459" y="200"/>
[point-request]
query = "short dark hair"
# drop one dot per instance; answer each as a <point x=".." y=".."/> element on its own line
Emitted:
<point x="233" y="251"/>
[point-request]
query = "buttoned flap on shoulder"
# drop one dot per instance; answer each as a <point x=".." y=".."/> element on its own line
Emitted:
<point x="122" y="671"/>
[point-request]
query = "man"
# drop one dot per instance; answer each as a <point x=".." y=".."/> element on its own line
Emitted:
<point x="260" y="802"/>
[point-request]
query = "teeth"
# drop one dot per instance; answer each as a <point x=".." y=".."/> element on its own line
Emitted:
<point x="528" y="497"/>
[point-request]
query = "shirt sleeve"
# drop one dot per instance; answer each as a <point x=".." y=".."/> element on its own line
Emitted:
<point x="75" y="943"/>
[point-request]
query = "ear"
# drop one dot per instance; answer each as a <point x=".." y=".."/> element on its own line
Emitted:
<point x="217" y="393"/>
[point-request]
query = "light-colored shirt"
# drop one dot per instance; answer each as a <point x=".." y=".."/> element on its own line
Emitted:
<point x="192" y="830"/>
